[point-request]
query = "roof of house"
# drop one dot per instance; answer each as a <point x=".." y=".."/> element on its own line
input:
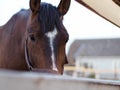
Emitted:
<point x="94" y="47"/>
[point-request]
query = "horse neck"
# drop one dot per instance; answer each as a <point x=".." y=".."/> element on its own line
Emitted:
<point x="17" y="24"/>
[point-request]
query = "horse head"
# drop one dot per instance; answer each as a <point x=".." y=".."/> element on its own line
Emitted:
<point x="46" y="36"/>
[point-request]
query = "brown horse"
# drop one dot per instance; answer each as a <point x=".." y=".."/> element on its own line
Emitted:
<point x="35" y="39"/>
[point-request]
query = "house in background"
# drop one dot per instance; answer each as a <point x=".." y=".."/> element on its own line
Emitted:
<point x="99" y="58"/>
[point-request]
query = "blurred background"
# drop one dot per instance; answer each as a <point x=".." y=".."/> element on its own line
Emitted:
<point x="93" y="47"/>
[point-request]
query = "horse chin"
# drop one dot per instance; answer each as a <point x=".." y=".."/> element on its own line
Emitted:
<point x="46" y="71"/>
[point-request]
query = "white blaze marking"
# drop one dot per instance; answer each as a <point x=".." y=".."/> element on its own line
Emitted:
<point x="51" y="35"/>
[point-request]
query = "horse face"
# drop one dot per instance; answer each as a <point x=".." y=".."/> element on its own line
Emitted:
<point x="47" y="37"/>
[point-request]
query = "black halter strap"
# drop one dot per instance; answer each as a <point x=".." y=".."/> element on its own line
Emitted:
<point x="29" y="64"/>
<point x="28" y="61"/>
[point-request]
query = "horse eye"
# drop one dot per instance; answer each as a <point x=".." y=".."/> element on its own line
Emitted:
<point x="66" y="40"/>
<point x="32" y="37"/>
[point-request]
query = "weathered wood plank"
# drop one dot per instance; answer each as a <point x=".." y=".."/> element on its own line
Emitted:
<point x="35" y="81"/>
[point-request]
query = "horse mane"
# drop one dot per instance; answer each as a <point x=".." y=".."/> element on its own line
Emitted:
<point x="48" y="17"/>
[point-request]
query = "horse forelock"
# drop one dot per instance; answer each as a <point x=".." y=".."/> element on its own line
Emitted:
<point x="48" y="17"/>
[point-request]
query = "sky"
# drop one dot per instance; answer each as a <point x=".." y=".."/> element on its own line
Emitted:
<point x="80" y="22"/>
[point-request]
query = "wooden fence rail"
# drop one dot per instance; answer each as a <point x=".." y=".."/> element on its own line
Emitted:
<point x="36" y="81"/>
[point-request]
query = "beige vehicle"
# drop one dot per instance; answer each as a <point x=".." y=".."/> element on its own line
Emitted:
<point x="108" y="9"/>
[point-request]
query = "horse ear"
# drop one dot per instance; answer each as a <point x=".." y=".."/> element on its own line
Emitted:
<point x="35" y="5"/>
<point x="64" y="6"/>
